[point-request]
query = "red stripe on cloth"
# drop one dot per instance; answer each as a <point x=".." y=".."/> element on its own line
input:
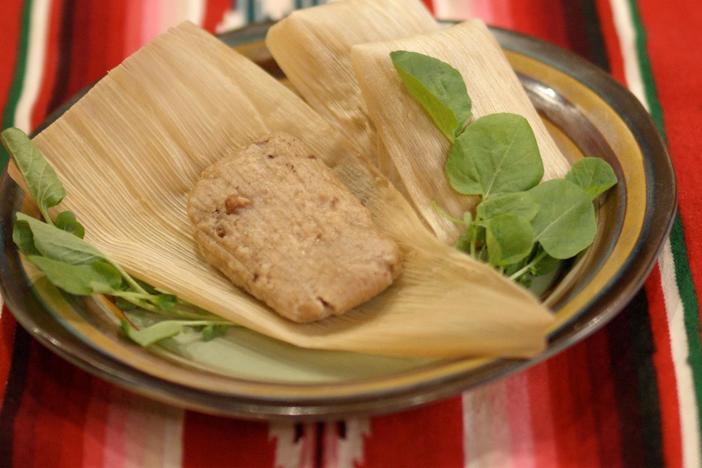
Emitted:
<point x="41" y="106"/>
<point x="430" y="5"/>
<point x="544" y="19"/>
<point x="49" y="424"/>
<point x="676" y="60"/>
<point x="602" y="399"/>
<point x="609" y="31"/>
<point x="96" y="422"/>
<point x="10" y="24"/>
<point x="98" y="42"/>
<point x="7" y="339"/>
<point x="665" y="372"/>
<point x="542" y="416"/>
<point x="214" y="12"/>
<point x="427" y="436"/>
<point x="572" y="395"/>
<point x="210" y="441"/>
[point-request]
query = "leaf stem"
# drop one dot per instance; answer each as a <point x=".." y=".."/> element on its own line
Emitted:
<point x="135" y="298"/>
<point x="198" y="323"/>
<point x="473" y="241"/>
<point x="445" y="214"/>
<point x="528" y="266"/>
<point x="45" y="213"/>
<point x="146" y="301"/>
<point x="132" y="282"/>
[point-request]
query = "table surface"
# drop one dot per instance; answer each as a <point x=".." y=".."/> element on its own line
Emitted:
<point x="627" y="396"/>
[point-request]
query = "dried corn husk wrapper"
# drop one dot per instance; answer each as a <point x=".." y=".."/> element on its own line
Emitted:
<point x="313" y="48"/>
<point x="416" y="148"/>
<point x="131" y="149"/>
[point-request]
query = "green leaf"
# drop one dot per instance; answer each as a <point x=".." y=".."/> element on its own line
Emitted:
<point x="525" y="280"/>
<point x="460" y="170"/>
<point x="509" y="239"/>
<point x="81" y="280"/>
<point x="565" y="224"/>
<point x="212" y="331"/>
<point x="467" y="218"/>
<point x="501" y="151"/>
<point x="463" y="241"/>
<point x="60" y="245"/>
<point x="545" y="265"/>
<point x="43" y="183"/>
<point x="66" y="221"/>
<point x="518" y="203"/>
<point x="153" y="333"/>
<point x="437" y="87"/>
<point x="594" y="175"/>
<point x="164" y="302"/>
<point x="23" y="238"/>
<point x="124" y="304"/>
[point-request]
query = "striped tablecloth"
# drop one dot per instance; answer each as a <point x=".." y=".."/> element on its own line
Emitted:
<point x="628" y="396"/>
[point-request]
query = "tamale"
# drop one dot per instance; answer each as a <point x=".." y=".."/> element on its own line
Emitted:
<point x="313" y="48"/>
<point x="277" y="222"/>
<point x="417" y="149"/>
<point x="131" y="149"/>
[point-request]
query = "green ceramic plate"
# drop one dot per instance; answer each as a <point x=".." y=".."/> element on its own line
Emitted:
<point x="247" y="374"/>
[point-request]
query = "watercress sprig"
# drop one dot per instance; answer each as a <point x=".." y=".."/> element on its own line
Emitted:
<point x="57" y="248"/>
<point x="522" y="227"/>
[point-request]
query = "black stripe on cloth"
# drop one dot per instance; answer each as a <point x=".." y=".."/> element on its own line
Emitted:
<point x="16" y="384"/>
<point x="595" y="38"/>
<point x="63" y="68"/>
<point x="319" y="445"/>
<point x="636" y="391"/>
<point x="630" y="335"/>
<point x="584" y="31"/>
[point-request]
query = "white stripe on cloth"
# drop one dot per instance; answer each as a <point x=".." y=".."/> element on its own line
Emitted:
<point x="289" y="452"/>
<point x="680" y="350"/>
<point x="141" y="432"/>
<point x="195" y="11"/>
<point x="34" y="72"/>
<point x="487" y="439"/>
<point x="34" y="69"/>
<point x="626" y="32"/>
<point x="347" y="451"/>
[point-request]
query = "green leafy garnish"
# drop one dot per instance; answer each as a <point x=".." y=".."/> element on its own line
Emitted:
<point x="58" y="244"/>
<point x="72" y="264"/>
<point x="154" y="333"/>
<point x="212" y="331"/>
<point x="437" y="87"/>
<point x="545" y="264"/>
<point x="518" y="203"/>
<point x="165" y="329"/>
<point x="593" y="175"/>
<point x="565" y="224"/>
<point x="500" y="152"/>
<point x="23" y="238"/>
<point x="41" y="179"/>
<point x="522" y="227"/>
<point x="82" y="280"/>
<point x="460" y="170"/>
<point x="66" y="221"/>
<point x="509" y="239"/>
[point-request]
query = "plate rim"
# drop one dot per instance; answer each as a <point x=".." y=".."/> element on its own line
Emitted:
<point x="606" y="305"/>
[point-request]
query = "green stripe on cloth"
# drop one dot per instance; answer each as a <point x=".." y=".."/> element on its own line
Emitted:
<point x="8" y="113"/>
<point x="683" y="276"/>
<point x="691" y="307"/>
<point x="654" y="104"/>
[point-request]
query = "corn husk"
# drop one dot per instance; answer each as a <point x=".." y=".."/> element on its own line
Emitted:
<point x="313" y="48"/>
<point x="416" y="148"/>
<point x="131" y="149"/>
